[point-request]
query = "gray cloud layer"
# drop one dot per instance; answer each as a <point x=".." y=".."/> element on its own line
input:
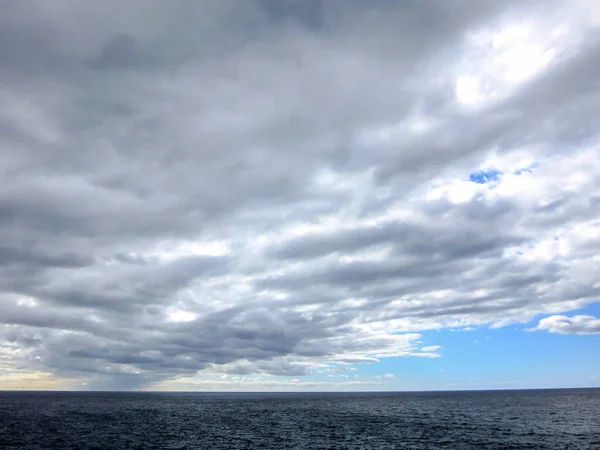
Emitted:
<point x="243" y="186"/>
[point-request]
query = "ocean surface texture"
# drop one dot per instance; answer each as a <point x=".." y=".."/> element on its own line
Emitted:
<point x="554" y="419"/>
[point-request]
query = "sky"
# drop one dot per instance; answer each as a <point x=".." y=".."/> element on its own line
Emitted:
<point x="262" y="195"/>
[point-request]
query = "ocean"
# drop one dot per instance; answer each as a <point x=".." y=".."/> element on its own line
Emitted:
<point x="535" y="419"/>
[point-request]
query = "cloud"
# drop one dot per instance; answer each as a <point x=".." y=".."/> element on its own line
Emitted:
<point x="301" y="185"/>
<point x="569" y="325"/>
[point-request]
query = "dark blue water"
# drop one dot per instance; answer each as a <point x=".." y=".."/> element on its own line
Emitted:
<point x="553" y="419"/>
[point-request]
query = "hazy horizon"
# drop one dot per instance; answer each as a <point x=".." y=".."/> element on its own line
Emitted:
<point x="441" y="391"/>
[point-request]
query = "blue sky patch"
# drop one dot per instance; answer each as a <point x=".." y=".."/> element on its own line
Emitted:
<point x="528" y="169"/>
<point x="485" y="176"/>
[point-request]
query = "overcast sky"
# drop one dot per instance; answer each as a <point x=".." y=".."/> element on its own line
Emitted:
<point x="289" y="195"/>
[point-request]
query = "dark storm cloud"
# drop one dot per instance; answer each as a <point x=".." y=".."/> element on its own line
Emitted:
<point x="157" y="157"/>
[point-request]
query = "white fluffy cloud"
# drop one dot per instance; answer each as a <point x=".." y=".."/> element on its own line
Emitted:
<point x="569" y="325"/>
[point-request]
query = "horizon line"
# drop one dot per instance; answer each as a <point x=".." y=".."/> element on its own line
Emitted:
<point x="296" y="392"/>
